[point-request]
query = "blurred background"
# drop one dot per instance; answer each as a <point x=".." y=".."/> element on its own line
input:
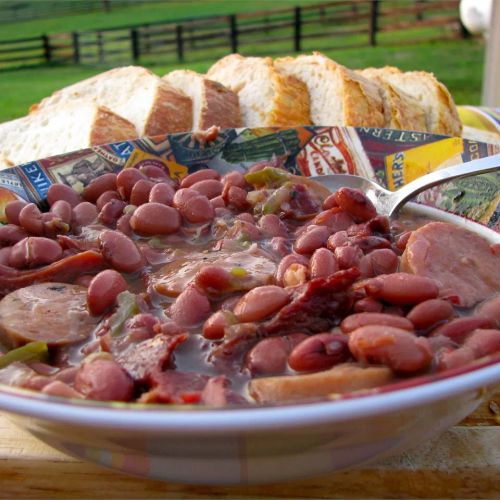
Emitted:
<point x="48" y="44"/>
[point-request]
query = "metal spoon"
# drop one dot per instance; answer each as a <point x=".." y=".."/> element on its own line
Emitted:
<point x="389" y="202"/>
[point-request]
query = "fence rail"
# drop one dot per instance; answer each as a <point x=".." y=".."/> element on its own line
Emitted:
<point x="339" y="23"/>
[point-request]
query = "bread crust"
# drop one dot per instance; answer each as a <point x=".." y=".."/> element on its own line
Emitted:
<point x="110" y="127"/>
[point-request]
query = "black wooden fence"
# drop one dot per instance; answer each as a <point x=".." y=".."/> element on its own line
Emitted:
<point x="328" y="25"/>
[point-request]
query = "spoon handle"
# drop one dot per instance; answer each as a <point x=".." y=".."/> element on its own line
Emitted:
<point x="474" y="167"/>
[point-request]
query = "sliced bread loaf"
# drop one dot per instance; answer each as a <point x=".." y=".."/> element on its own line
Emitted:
<point x="338" y="95"/>
<point x="213" y="104"/>
<point x="135" y="93"/>
<point x="267" y="97"/>
<point x="401" y="110"/>
<point x="61" y="129"/>
<point x="441" y="114"/>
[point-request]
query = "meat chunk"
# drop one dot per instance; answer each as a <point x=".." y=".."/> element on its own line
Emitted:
<point x="459" y="260"/>
<point x="55" y="313"/>
<point x="340" y="379"/>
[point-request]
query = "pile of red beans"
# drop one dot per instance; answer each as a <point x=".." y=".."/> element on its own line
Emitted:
<point x="318" y="285"/>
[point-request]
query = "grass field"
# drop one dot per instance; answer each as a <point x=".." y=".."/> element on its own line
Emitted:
<point x="458" y="63"/>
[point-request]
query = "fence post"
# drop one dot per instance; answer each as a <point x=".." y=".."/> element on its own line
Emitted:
<point x="47" y="49"/>
<point x="373" y="22"/>
<point x="76" y="47"/>
<point x="100" y="47"/>
<point x="297" y="31"/>
<point x="233" y="28"/>
<point x="134" y="38"/>
<point x="180" y="42"/>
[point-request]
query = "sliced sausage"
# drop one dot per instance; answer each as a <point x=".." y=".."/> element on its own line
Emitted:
<point x="54" y="313"/>
<point x="458" y="259"/>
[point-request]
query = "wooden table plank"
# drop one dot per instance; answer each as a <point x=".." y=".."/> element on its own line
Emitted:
<point x="464" y="462"/>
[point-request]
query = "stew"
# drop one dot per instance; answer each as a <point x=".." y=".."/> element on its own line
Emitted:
<point x="251" y="288"/>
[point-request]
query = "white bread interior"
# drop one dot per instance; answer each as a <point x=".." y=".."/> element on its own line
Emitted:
<point x="213" y="104"/>
<point x="141" y="97"/>
<point x="61" y="129"/>
<point x="338" y="96"/>
<point x="267" y="97"/>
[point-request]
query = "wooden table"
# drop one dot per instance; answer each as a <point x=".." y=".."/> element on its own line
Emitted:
<point x="464" y="462"/>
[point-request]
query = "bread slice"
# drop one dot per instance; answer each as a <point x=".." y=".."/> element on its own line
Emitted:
<point x="401" y="110"/>
<point x="441" y="114"/>
<point x="213" y="104"/>
<point x="338" y="95"/>
<point x="267" y="97"/>
<point x="135" y="93"/>
<point x="61" y="129"/>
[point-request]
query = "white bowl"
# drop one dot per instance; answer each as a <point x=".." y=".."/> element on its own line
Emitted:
<point x="260" y="444"/>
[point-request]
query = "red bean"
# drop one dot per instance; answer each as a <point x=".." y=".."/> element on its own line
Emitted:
<point x="381" y="261"/>
<point x="335" y="219"/>
<point x="60" y="389"/>
<point x="355" y="321"/>
<point x="126" y="180"/>
<point x="330" y="202"/>
<point x="63" y="192"/>
<point x="84" y="213"/>
<point x="198" y="210"/>
<point x="152" y="219"/>
<point x="31" y="219"/>
<point x="98" y="186"/>
<point x="285" y="264"/>
<point x="12" y="211"/>
<point x="380" y="225"/>
<point x="63" y="210"/>
<point x="103" y="291"/>
<point x="319" y="352"/>
<point x="105" y="197"/>
<point x="209" y="188"/>
<point x="155" y="173"/>
<point x="34" y="252"/>
<point x="268" y="357"/>
<point x="234" y="179"/>
<point x="200" y="175"/>
<point x="429" y="313"/>
<point x="213" y="328"/>
<point x="123" y="224"/>
<point x="140" y="192"/>
<point x="182" y="196"/>
<point x="402" y="240"/>
<point x="111" y="212"/>
<point x="260" y="302"/>
<point x="237" y="198"/>
<point x="339" y="239"/>
<point x="448" y="358"/>
<point x="11" y="234"/>
<point x="356" y="203"/>
<point x="399" y="349"/>
<point x="104" y="380"/>
<point x="323" y="263"/>
<point x="162" y="193"/>
<point x="213" y="278"/>
<point x="314" y="238"/>
<point x="369" y="243"/>
<point x="359" y="230"/>
<point x="5" y="256"/>
<point x="348" y="256"/>
<point x="121" y="252"/>
<point x="402" y="288"/>
<point x="190" y="308"/>
<point x="271" y="225"/>
<point x="218" y="202"/>
<point x="367" y="304"/>
<point x="491" y="310"/>
<point x="483" y="342"/>
<point x="458" y="329"/>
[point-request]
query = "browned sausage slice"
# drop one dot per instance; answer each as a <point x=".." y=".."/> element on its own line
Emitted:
<point x="460" y="260"/>
<point x="55" y="313"/>
<point x="339" y="379"/>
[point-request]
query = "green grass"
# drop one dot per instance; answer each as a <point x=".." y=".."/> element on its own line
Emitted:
<point x="458" y="63"/>
<point x="140" y="13"/>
